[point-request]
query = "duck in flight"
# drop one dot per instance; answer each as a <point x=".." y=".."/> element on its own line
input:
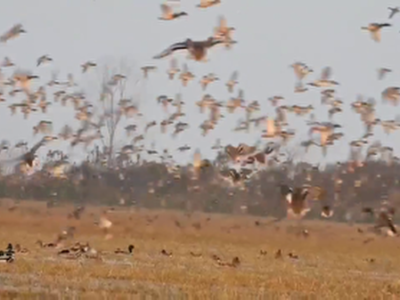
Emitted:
<point x="375" y="30"/>
<point x="12" y="33"/>
<point x="168" y="14"/>
<point x="197" y="49"/>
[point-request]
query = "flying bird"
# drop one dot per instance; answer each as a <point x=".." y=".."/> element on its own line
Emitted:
<point x="382" y="72"/>
<point x="197" y="49"/>
<point x="12" y="33"/>
<point x="168" y="14"/>
<point x="26" y="160"/>
<point x="43" y="59"/>
<point x="232" y="81"/>
<point x="7" y="62"/>
<point x="87" y="65"/>
<point x="208" y="3"/>
<point x="375" y="30"/>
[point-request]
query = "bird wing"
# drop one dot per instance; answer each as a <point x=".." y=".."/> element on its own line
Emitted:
<point x="326" y="73"/>
<point x="324" y="137"/>
<point x="11" y="32"/>
<point x="376" y="35"/>
<point x="241" y="94"/>
<point x="280" y="115"/>
<point x="391" y="226"/>
<point x="244" y="149"/>
<point x="171" y="49"/>
<point x="245" y="172"/>
<point x="286" y="190"/>
<point x="368" y="210"/>
<point x="12" y="161"/>
<point x="317" y="193"/>
<point x="222" y="23"/>
<point x="298" y="69"/>
<point x="304" y="193"/>
<point x="381" y="74"/>
<point x="215" y="42"/>
<point x="268" y="150"/>
<point x="39" y="61"/>
<point x="197" y="160"/>
<point x="166" y="9"/>
<point x="234" y="175"/>
<point x="392" y="12"/>
<point x="231" y="151"/>
<point x="37" y="146"/>
<point x="234" y="76"/>
<point x="271" y="126"/>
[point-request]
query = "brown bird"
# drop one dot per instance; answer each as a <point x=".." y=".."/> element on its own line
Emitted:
<point x="168" y="14"/>
<point x="197" y="49"/>
<point x="296" y="200"/>
<point x="208" y="3"/>
<point x="166" y="253"/>
<point x="375" y="30"/>
<point x="382" y="72"/>
<point x="30" y="156"/>
<point x="232" y="81"/>
<point x="12" y="33"/>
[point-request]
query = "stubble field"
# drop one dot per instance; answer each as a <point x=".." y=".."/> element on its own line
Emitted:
<point x="335" y="261"/>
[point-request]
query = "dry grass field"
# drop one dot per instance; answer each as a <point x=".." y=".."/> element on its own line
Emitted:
<point x="335" y="261"/>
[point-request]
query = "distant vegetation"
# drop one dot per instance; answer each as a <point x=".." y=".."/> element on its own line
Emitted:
<point x="154" y="185"/>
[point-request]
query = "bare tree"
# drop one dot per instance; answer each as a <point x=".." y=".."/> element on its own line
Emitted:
<point x="118" y="97"/>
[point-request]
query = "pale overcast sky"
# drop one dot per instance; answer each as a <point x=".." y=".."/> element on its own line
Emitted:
<point x="271" y="35"/>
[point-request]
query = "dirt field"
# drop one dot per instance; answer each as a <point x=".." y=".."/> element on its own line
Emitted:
<point x="335" y="261"/>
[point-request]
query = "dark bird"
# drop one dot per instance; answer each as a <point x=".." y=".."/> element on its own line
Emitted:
<point x="197" y="49"/>
<point x="326" y="211"/>
<point x="130" y="250"/>
<point x="25" y="161"/>
<point x="278" y="254"/>
<point x="166" y="253"/>
<point x="9" y="250"/>
<point x="168" y="14"/>
<point x="7" y="256"/>
<point x="30" y="156"/>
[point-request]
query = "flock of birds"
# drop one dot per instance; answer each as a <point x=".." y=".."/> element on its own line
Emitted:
<point x="244" y="160"/>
